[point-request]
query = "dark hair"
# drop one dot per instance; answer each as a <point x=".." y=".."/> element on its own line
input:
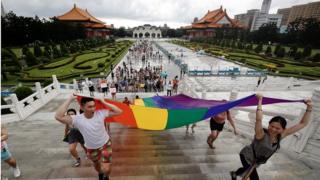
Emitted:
<point x="279" y="119"/>
<point x="81" y="111"/>
<point x="84" y="100"/>
<point x="137" y="97"/>
<point x="72" y="110"/>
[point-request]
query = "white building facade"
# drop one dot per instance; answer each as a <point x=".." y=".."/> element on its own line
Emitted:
<point x="146" y="31"/>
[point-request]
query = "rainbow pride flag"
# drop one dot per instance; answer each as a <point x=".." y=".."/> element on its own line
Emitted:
<point x="167" y="112"/>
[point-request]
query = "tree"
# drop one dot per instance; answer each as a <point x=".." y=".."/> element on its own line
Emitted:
<point x="48" y="51"/>
<point x="233" y="44"/>
<point x="266" y="33"/>
<point x="249" y="47"/>
<point x="298" y="55"/>
<point x="240" y="45"/>
<point x="302" y="31"/>
<point x="56" y="52"/>
<point x="20" y="30"/>
<point x="258" y="49"/>
<point x="307" y="51"/>
<point x="24" y="50"/>
<point x="64" y="49"/>
<point x="37" y="49"/>
<point x="73" y="47"/>
<point x="293" y="50"/>
<point x="31" y="60"/>
<point x="281" y="52"/>
<point x="316" y="58"/>
<point x="268" y="51"/>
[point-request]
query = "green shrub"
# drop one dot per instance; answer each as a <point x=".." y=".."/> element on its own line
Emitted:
<point x="46" y="82"/>
<point x="316" y="58"/>
<point x="4" y="111"/>
<point x="258" y="49"/>
<point x="23" y="92"/>
<point x="307" y="51"/>
<point x="100" y="65"/>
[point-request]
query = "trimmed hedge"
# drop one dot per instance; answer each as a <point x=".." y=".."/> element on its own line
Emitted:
<point x="23" y="92"/>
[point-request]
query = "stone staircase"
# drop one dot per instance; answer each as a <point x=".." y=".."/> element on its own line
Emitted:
<point x="137" y="154"/>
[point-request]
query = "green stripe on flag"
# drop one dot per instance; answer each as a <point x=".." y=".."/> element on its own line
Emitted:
<point x="148" y="102"/>
<point x="182" y="117"/>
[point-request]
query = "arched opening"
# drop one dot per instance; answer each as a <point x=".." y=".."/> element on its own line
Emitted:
<point x="135" y="35"/>
<point x="147" y="35"/>
<point x="158" y="35"/>
<point x="140" y="35"/>
<point x="153" y="35"/>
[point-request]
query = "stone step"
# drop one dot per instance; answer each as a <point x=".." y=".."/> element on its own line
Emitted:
<point x="174" y="169"/>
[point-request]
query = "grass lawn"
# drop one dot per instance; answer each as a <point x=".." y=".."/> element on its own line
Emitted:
<point x="66" y="72"/>
<point x="289" y="67"/>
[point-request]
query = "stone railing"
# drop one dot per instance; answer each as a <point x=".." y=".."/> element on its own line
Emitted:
<point x="20" y="110"/>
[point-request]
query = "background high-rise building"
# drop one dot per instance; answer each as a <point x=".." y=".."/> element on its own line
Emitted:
<point x="310" y="10"/>
<point x="255" y="18"/>
<point x="265" y="6"/>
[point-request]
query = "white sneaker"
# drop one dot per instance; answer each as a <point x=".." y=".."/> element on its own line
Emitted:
<point x="16" y="172"/>
<point x="5" y="178"/>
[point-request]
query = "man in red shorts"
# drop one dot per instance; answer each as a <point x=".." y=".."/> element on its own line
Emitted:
<point x="92" y="127"/>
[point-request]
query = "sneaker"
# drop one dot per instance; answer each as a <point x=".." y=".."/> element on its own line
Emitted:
<point x="233" y="175"/>
<point x="16" y="172"/>
<point x="77" y="163"/>
<point x="4" y="178"/>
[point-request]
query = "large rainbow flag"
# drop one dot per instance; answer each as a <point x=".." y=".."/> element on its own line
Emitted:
<point x="167" y="112"/>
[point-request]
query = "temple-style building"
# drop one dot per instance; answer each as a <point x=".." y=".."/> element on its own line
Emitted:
<point x="210" y="22"/>
<point x="93" y="26"/>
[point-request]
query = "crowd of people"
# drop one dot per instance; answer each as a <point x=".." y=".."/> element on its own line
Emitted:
<point x="142" y="71"/>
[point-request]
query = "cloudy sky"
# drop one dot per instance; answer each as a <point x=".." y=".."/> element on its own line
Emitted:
<point x="130" y="13"/>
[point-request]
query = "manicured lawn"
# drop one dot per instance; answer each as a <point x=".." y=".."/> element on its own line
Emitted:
<point x="65" y="69"/>
<point x="285" y="66"/>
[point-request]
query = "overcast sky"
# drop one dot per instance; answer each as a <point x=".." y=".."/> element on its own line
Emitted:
<point x="130" y="13"/>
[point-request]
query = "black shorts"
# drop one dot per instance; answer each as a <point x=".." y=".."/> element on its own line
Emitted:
<point x="75" y="136"/>
<point x="105" y="89"/>
<point x="91" y="88"/>
<point x="215" y="126"/>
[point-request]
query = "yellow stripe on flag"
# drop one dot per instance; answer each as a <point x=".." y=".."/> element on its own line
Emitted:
<point x="150" y="118"/>
<point x="139" y="102"/>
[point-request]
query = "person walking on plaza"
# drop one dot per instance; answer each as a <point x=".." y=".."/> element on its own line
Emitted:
<point x="91" y="87"/>
<point x="6" y="155"/>
<point x="91" y="124"/>
<point x="266" y="141"/>
<point x="104" y="86"/>
<point x="126" y="101"/>
<point x="192" y="128"/>
<point x="216" y="126"/>
<point x="80" y="87"/>
<point x="175" y="82"/>
<point x="169" y="89"/>
<point x="73" y="137"/>
<point x="113" y="91"/>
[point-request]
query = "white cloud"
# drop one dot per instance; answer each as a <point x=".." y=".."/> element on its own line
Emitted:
<point x="136" y="12"/>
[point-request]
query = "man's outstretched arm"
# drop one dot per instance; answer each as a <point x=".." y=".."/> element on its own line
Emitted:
<point x="114" y="109"/>
<point x="61" y="112"/>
